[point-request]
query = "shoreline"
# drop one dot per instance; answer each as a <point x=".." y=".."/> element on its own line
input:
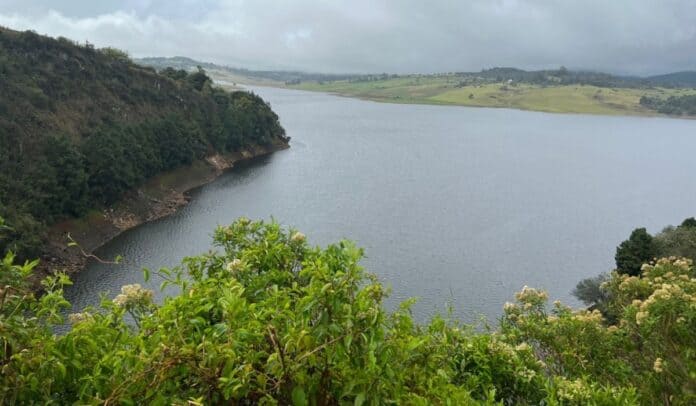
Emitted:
<point x="433" y="102"/>
<point x="158" y="197"/>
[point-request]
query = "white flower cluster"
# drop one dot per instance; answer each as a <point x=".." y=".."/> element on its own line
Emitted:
<point x="658" y="365"/>
<point x="132" y="295"/>
<point x="594" y="316"/>
<point x="77" y="318"/>
<point x="576" y="390"/>
<point x="526" y="374"/>
<point x="682" y="265"/>
<point x="531" y="295"/>
<point x="501" y="348"/>
<point x="234" y="265"/>
<point x="665" y="292"/>
<point x="524" y="347"/>
<point x="628" y="282"/>
<point x="297" y="237"/>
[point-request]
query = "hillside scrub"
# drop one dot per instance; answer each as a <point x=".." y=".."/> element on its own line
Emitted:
<point x="80" y="126"/>
<point x="673" y="105"/>
<point x="270" y="319"/>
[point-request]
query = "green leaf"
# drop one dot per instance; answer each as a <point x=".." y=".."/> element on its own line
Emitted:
<point x="360" y="399"/>
<point x="146" y="274"/>
<point x="298" y="396"/>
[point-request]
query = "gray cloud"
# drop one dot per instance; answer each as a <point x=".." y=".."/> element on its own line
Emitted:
<point x="626" y="36"/>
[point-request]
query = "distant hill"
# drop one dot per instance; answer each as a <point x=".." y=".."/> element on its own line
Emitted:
<point x="182" y="62"/>
<point x="560" y="76"/>
<point x="676" y="79"/>
<point x="80" y="126"/>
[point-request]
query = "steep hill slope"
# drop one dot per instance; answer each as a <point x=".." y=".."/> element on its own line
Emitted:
<point x="80" y="126"/>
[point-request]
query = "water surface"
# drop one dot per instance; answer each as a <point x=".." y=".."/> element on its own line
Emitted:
<point x="452" y="204"/>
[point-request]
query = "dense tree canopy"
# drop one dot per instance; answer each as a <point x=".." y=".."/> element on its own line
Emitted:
<point x="674" y="105"/>
<point x="79" y="127"/>
<point x="634" y="252"/>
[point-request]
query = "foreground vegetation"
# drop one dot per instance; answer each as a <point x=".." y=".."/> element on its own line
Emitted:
<point x="270" y="319"/>
<point x="640" y="248"/>
<point x="80" y="126"/>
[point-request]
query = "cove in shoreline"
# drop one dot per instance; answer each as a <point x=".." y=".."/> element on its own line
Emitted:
<point x="158" y="197"/>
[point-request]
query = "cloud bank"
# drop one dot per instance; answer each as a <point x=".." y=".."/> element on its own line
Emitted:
<point x="621" y="36"/>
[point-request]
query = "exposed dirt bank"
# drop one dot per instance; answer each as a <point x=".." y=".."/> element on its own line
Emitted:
<point x="157" y="198"/>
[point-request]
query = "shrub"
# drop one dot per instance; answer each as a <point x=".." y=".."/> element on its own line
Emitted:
<point x="650" y="347"/>
<point x="269" y="319"/>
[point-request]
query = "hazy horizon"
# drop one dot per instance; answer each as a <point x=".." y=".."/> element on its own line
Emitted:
<point x="623" y="37"/>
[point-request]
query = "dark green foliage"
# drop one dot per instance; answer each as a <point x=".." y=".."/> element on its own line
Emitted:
<point x="24" y="235"/>
<point x="675" y="79"/>
<point x="641" y="248"/>
<point x="175" y="74"/>
<point x="198" y="79"/>
<point x="79" y="127"/>
<point x="561" y="76"/>
<point x="675" y="105"/>
<point x="678" y="241"/>
<point x="590" y="291"/>
<point x="116" y="54"/>
<point x="634" y="252"/>
<point x="689" y="222"/>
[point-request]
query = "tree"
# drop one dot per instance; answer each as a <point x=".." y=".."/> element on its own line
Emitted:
<point x="639" y="249"/>
<point x="689" y="222"/>
<point x="677" y="241"/>
<point x="198" y="79"/>
<point x="590" y="292"/>
<point x="115" y="54"/>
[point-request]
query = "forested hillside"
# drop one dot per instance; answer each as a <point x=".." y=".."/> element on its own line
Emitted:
<point x="79" y="126"/>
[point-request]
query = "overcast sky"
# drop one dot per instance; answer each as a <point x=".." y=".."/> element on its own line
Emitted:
<point x="620" y="36"/>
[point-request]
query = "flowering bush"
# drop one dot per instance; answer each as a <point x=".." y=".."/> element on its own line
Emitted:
<point x="270" y="319"/>
<point x="650" y="347"/>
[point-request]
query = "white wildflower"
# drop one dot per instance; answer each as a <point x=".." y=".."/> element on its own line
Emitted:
<point x="133" y="295"/>
<point x="234" y="265"/>
<point x="76" y="318"/>
<point x="297" y="237"/>
<point x="657" y="366"/>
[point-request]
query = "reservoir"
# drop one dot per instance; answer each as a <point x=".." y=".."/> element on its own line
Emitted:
<point x="454" y="205"/>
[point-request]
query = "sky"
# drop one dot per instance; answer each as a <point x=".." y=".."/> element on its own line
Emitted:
<point x="638" y="37"/>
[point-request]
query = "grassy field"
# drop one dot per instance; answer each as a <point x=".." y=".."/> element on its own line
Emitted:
<point x="445" y="90"/>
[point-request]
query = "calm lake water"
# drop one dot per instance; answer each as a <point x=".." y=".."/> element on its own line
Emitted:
<point x="452" y="204"/>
